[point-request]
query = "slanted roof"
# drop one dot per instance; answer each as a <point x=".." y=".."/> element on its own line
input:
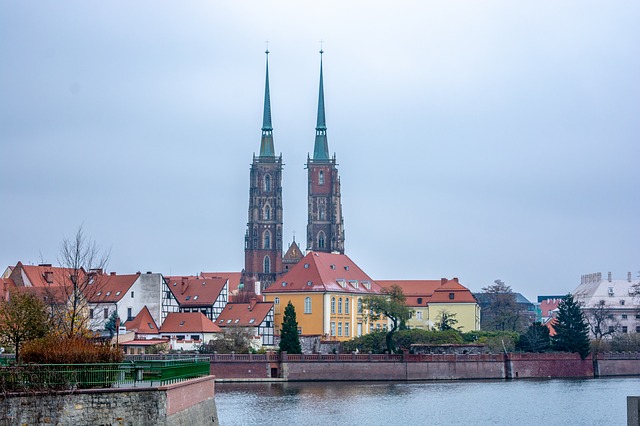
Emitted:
<point x="43" y="275"/>
<point x="6" y="286"/>
<point x="196" y="291"/>
<point x="431" y="291"/>
<point x="293" y="253"/>
<point x="143" y="323"/>
<point x="244" y="314"/>
<point x="144" y="342"/>
<point x="110" y="288"/>
<point x="325" y="272"/>
<point x="233" y="277"/>
<point x="188" y="322"/>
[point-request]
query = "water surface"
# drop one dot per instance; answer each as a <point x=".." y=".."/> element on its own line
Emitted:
<point x="516" y="402"/>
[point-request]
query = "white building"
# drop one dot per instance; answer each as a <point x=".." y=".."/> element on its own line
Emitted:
<point x="620" y="299"/>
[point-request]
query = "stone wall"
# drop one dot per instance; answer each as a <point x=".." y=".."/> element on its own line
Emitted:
<point x="186" y="403"/>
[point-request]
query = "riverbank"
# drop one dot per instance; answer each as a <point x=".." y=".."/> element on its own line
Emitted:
<point x="409" y="367"/>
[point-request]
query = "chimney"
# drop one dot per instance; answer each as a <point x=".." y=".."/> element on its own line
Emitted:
<point x="257" y="288"/>
<point x="456" y="280"/>
<point x="629" y="276"/>
<point x="252" y="303"/>
<point x="112" y="274"/>
<point x="609" y="277"/>
<point x="443" y="281"/>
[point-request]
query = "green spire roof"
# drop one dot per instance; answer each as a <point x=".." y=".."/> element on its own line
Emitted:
<point x="266" y="144"/>
<point x="321" y="147"/>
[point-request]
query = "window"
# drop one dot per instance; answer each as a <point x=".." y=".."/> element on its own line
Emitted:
<point x="266" y="240"/>
<point x="333" y="328"/>
<point x="323" y="213"/>
<point x="346" y="305"/>
<point x="276" y="301"/>
<point x="419" y="300"/>
<point x="187" y="298"/>
<point x="267" y="183"/>
<point x="307" y="305"/>
<point x="118" y="293"/>
<point x="132" y="294"/>
<point x="340" y="329"/>
<point x="320" y="240"/>
<point x="267" y="265"/>
<point x="106" y="313"/>
<point x="637" y="328"/>
<point x="359" y="305"/>
<point x="252" y="320"/>
<point x="266" y="213"/>
<point x="195" y="337"/>
<point x="611" y="329"/>
<point x="346" y="329"/>
<point x="624" y="316"/>
<point x="129" y="314"/>
<point x="451" y="296"/>
<point x="340" y="305"/>
<point x="622" y="302"/>
<point x="333" y="305"/>
<point x="624" y="328"/>
<point x="180" y="337"/>
<point x="637" y="316"/>
<point x="419" y="315"/>
<point x="320" y="177"/>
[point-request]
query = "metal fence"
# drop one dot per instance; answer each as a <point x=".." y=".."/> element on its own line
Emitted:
<point x="41" y="377"/>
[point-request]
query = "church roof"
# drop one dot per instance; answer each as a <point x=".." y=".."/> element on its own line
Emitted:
<point x="325" y="272"/>
<point x="293" y="252"/>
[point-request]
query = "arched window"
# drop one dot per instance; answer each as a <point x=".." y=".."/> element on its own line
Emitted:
<point x="307" y="305"/>
<point x="346" y="305"/>
<point x="266" y="212"/>
<point x="266" y="240"/>
<point x="359" y="305"/>
<point x="320" y="177"/>
<point x="323" y="212"/>
<point x="266" y="265"/>
<point x="340" y="305"/>
<point x="267" y="183"/>
<point x="333" y="305"/>
<point x="320" y="240"/>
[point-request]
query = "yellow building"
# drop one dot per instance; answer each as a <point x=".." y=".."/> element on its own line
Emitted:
<point x="430" y="298"/>
<point x="326" y="290"/>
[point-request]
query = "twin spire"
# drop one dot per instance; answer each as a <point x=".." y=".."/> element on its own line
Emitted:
<point x="321" y="146"/>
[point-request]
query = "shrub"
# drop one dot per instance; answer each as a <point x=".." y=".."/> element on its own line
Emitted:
<point x="69" y="350"/>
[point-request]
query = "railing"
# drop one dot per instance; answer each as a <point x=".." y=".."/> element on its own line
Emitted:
<point x="41" y="377"/>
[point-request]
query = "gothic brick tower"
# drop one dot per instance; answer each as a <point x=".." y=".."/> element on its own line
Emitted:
<point x="263" y="239"/>
<point x="325" y="227"/>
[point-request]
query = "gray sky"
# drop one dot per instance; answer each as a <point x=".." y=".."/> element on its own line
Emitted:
<point x="477" y="139"/>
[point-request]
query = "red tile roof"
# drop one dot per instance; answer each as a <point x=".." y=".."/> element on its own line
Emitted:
<point x="548" y="305"/>
<point x="43" y="275"/>
<point x="110" y="288"/>
<point x="6" y="286"/>
<point x="143" y="323"/>
<point x="188" y="322"/>
<point x="196" y="291"/>
<point x="233" y="277"/>
<point x="244" y="314"/>
<point x="325" y="272"/>
<point x="144" y="342"/>
<point x="432" y="291"/>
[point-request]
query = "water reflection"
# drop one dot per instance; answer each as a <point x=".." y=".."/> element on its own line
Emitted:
<point x="548" y="402"/>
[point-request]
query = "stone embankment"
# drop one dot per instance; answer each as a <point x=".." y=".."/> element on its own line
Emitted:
<point x="319" y="367"/>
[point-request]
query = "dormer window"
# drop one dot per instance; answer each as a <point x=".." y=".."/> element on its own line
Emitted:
<point x="346" y="268"/>
<point x="118" y="293"/>
<point x="452" y="296"/>
<point x="229" y="321"/>
<point x="108" y="293"/>
<point x="419" y="300"/>
<point x="195" y="297"/>
<point x="181" y="323"/>
<point x="187" y="298"/>
<point x="252" y="320"/>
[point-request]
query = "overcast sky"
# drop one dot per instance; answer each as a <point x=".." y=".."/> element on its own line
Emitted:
<point x="475" y="139"/>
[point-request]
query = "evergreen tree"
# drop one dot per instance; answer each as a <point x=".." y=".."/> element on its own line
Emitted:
<point x="112" y="324"/>
<point x="536" y="339"/>
<point x="572" y="329"/>
<point x="289" y="338"/>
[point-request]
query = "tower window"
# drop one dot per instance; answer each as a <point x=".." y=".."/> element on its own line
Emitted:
<point x="321" y="240"/>
<point x="321" y="177"/>
<point x="266" y="240"/>
<point x="266" y="212"/>
<point x="267" y="183"/>
<point x="266" y="265"/>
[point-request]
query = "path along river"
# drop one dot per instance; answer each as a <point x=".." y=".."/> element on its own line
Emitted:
<point x="515" y="402"/>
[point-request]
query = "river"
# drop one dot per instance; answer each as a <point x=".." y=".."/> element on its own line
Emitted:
<point x="516" y="402"/>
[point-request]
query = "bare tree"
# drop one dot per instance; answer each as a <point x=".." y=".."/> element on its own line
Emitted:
<point x="83" y="262"/>
<point x="601" y="323"/>
<point x="501" y="312"/>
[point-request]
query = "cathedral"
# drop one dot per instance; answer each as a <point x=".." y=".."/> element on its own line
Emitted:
<point x="264" y="261"/>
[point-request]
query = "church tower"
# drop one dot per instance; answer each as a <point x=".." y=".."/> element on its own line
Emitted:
<point x="263" y="239"/>
<point x="325" y="227"/>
